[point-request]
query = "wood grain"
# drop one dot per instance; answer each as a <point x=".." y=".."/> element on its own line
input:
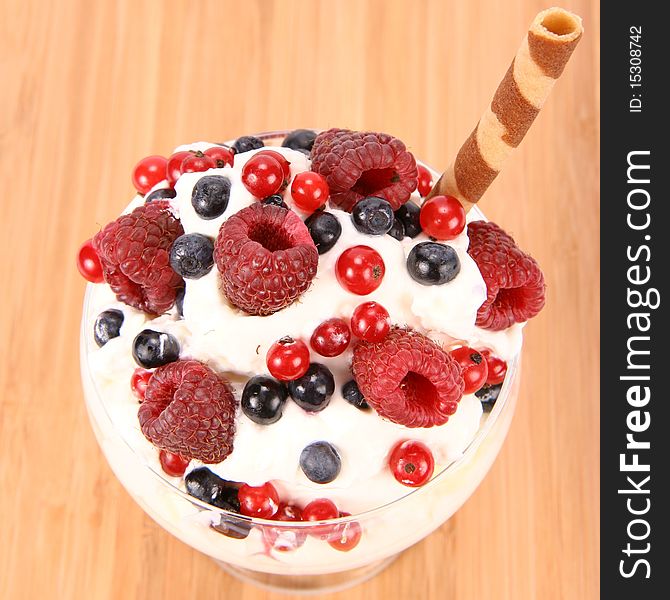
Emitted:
<point x="90" y="87"/>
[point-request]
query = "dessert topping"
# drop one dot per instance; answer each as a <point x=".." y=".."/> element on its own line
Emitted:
<point x="430" y="263"/>
<point x="312" y="391"/>
<point x="370" y="321"/>
<point x="442" y="217"/>
<point x="309" y="191"/>
<point x="133" y="252"/>
<point x="331" y="337"/>
<point x="514" y="282"/>
<point x="360" y="164"/>
<point x="360" y="270"/>
<point x="473" y="367"/>
<point x="266" y="258"/>
<point x="189" y="410"/>
<point x="411" y="463"/>
<point x="408" y="379"/>
<point x="288" y="359"/>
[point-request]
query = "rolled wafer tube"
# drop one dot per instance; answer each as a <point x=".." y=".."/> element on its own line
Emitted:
<point x="544" y="52"/>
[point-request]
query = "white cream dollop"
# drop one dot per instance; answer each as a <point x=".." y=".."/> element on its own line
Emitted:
<point x="235" y="343"/>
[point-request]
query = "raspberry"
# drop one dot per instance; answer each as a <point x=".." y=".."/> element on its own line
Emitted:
<point x="514" y="282"/>
<point x="359" y="164"/>
<point x="134" y="252"/>
<point x="266" y="258"/>
<point x="408" y="379"/>
<point x="189" y="410"/>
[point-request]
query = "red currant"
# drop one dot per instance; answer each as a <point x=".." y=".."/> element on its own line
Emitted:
<point x="442" y="217"/>
<point x="261" y="501"/>
<point x="281" y="159"/>
<point x="197" y="162"/>
<point x="221" y="155"/>
<point x="331" y="338"/>
<point x="360" y="270"/>
<point x="309" y="191"/>
<point x="88" y="263"/>
<point x="497" y="368"/>
<point x="370" y="321"/>
<point x="320" y="509"/>
<point x="345" y="536"/>
<point x="139" y="381"/>
<point x="262" y="175"/>
<point x="174" y="166"/>
<point x="285" y="539"/>
<point x="424" y="180"/>
<point x="173" y="464"/>
<point x="288" y="359"/>
<point x="148" y="172"/>
<point x="473" y="366"/>
<point x="411" y="463"/>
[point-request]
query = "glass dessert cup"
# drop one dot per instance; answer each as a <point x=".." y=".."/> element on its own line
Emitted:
<point x="295" y="556"/>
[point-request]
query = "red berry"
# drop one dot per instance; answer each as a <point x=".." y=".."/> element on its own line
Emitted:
<point x="424" y="179"/>
<point x="222" y="156"/>
<point x="288" y="359"/>
<point x="515" y="288"/>
<point x="88" y="263"/>
<point x="309" y="191"/>
<point x="285" y="539"/>
<point x="261" y="501"/>
<point x="173" y="464"/>
<point x="345" y="536"/>
<point x="331" y="338"/>
<point x="473" y="367"/>
<point x="139" y="381"/>
<point x="360" y="270"/>
<point x="174" y="166"/>
<point x="442" y="217"/>
<point x="281" y="159"/>
<point x="370" y="322"/>
<point x="411" y="463"/>
<point x="320" y="509"/>
<point x="197" y="162"/>
<point x="262" y="175"/>
<point x="148" y="172"/>
<point x="497" y="368"/>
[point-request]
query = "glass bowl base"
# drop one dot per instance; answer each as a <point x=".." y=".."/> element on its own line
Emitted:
<point x="308" y="584"/>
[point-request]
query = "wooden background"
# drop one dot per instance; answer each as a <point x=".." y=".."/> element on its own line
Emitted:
<point x="88" y="88"/>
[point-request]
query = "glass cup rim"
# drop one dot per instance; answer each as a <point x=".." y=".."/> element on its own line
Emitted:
<point x="501" y="402"/>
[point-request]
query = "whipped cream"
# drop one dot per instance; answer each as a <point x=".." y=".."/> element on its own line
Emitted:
<point x="235" y="344"/>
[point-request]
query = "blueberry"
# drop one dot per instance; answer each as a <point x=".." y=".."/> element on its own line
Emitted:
<point x="161" y="194"/>
<point x="210" y="488"/>
<point x="352" y="395"/>
<point x="397" y="230"/>
<point x="192" y="255"/>
<point x="263" y="399"/>
<point x="431" y="263"/>
<point x="373" y="216"/>
<point x="488" y="396"/>
<point x="300" y="139"/>
<point x="408" y="214"/>
<point x="246" y="143"/>
<point x="320" y="462"/>
<point x="210" y="196"/>
<point x="313" y="390"/>
<point x="325" y="230"/>
<point x="275" y="200"/>
<point x="107" y="326"/>
<point x="154" y="348"/>
<point x="179" y="301"/>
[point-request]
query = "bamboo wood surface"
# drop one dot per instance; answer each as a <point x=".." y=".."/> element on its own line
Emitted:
<point x="88" y="88"/>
